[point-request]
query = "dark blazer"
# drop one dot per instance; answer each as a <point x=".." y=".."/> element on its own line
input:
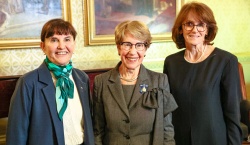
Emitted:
<point x="147" y="118"/>
<point x="33" y="118"/>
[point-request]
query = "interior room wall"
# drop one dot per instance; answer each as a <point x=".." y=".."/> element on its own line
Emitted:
<point x="233" y="18"/>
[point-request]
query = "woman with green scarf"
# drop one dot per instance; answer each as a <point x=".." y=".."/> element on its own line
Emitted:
<point x="50" y="105"/>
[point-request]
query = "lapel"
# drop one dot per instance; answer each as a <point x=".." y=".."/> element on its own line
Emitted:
<point x="81" y="88"/>
<point x="45" y="77"/>
<point x="142" y="79"/>
<point x="116" y="91"/>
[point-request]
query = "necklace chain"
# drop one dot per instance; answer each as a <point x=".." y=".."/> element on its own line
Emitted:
<point x="198" y="58"/>
<point x="128" y="80"/>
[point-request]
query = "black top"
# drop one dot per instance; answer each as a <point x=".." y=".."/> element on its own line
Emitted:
<point x="208" y="95"/>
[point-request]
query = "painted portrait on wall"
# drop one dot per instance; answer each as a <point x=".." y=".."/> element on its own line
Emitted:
<point x="104" y="15"/>
<point x="22" y="20"/>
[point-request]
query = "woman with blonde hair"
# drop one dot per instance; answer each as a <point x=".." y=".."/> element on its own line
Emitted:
<point x="132" y="104"/>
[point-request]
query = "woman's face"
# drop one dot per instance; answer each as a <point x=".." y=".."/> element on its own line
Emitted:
<point x="59" y="48"/>
<point x="132" y="58"/>
<point x="196" y="35"/>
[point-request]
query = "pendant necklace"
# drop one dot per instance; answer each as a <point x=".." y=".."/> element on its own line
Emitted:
<point x="198" y="58"/>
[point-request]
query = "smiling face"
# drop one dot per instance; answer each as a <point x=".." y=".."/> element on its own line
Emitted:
<point x="193" y="37"/>
<point x="59" y="48"/>
<point x="131" y="59"/>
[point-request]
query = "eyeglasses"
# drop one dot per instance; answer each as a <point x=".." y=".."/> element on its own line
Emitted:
<point x="138" y="46"/>
<point x="190" y="26"/>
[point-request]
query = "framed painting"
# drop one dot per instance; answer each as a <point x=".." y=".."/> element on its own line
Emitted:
<point x="21" y="21"/>
<point x="101" y="17"/>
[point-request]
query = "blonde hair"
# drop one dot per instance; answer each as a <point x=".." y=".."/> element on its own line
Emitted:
<point x="135" y="28"/>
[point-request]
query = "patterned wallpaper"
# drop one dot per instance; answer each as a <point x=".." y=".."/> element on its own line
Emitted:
<point x="233" y="21"/>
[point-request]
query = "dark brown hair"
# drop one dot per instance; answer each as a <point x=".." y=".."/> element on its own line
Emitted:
<point x="57" y="26"/>
<point x="204" y="13"/>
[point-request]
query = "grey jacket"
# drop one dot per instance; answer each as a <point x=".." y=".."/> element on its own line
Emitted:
<point x="147" y="120"/>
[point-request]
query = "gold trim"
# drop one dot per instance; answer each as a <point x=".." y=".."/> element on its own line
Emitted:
<point x="34" y="42"/>
<point x="90" y="33"/>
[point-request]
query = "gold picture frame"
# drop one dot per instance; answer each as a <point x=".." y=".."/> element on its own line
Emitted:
<point x="101" y="15"/>
<point x="25" y="36"/>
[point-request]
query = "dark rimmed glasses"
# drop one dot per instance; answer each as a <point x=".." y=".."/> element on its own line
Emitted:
<point x="138" y="46"/>
<point x="201" y="27"/>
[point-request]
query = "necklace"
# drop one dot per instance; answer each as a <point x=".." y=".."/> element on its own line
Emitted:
<point x="202" y="53"/>
<point x="128" y="80"/>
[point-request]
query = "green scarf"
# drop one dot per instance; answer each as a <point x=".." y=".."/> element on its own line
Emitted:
<point x="64" y="85"/>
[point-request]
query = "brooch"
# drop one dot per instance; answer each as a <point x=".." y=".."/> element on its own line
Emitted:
<point x="143" y="88"/>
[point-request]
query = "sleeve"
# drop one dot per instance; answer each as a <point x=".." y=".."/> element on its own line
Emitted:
<point x="98" y="112"/>
<point x="168" y="130"/>
<point x="18" y="118"/>
<point x="169" y="105"/>
<point x="231" y="96"/>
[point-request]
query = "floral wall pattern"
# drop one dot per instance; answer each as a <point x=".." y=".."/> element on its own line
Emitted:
<point x="233" y="36"/>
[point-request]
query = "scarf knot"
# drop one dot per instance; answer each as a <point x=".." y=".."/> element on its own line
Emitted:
<point x="64" y="85"/>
